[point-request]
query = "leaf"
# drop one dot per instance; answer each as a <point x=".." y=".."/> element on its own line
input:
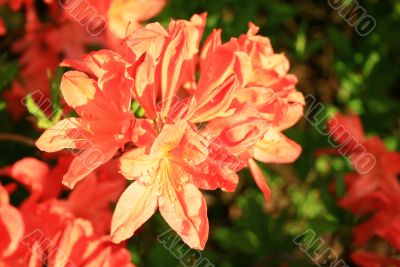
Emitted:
<point x="55" y="91"/>
<point x="42" y="120"/>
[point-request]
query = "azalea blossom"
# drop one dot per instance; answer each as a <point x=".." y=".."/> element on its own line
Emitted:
<point x="71" y="27"/>
<point x="165" y="178"/>
<point x="375" y="193"/>
<point x="197" y="130"/>
<point x="59" y="232"/>
<point x="103" y="127"/>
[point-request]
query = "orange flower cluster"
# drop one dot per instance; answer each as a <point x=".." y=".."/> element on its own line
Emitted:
<point x="178" y="118"/>
<point x="48" y="230"/>
<point x="375" y="194"/>
<point x="65" y="31"/>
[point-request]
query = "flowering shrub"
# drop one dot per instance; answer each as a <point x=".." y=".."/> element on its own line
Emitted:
<point x="175" y="133"/>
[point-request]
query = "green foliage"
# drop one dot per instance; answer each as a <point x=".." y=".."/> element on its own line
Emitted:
<point x="47" y="112"/>
<point x="8" y="71"/>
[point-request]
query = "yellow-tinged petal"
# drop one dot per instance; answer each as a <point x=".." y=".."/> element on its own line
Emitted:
<point x="62" y="135"/>
<point x="135" y="206"/>
<point x="275" y="147"/>
<point x="186" y="213"/>
<point x="77" y="88"/>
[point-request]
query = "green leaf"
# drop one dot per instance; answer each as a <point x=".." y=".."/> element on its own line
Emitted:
<point x="2" y="105"/>
<point x="55" y="91"/>
<point x="42" y="120"/>
<point x="340" y="186"/>
<point x="36" y="110"/>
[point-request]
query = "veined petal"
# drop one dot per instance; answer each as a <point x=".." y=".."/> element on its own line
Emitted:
<point x="144" y="90"/>
<point x="275" y="147"/>
<point x="77" y="88"/>
<point x="92" y="62"/>
<point x="62" y="135"/>
<point x="294" y="112"/>
<point x="186" y="213"/>
<point x="239" y="132"/>
<point x="136" y="164"/>
<point x="218" y="102"/>
<point x="72" y="244"/>
<point x="87" y="161"/>
<point x="116" y="85"/>
<point x="149" y="39"/>
<point x="210" y="45"/>
<point x="173" y="68"/>
<point x="169" y="137"/>
<point x="255" y="96"/>
<point x="211" y="175"/>
<point x="135" y="206"/>
<point x="220" y="68"/>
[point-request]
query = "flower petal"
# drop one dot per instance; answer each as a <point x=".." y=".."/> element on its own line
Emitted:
<point x="30" y="172"/>
<point x="77" y="88"/>
<point x="276" y="148"/>
<point x="136" y="164"/>
<point x="87" y="161"/>
<point x="135" y="206"/>
<point x="259" y="179"/>
<point x="61" y="135"/>
<point x="186" y="213"/>
<point x="173" y="68"/>
<point x="92" y="62"/>
<point x="11" y="229"/>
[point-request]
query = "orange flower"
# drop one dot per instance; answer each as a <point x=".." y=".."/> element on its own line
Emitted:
<point x="67" y="32"/>
<point x="196" y="132"/>
<point x="184" y="155"/>
<point x="162" y="181"/>
<point x="60" y="232"/>
<point x="11" y="227"/>
<point x="265" y="86"/>
<point x="105" y="123"/>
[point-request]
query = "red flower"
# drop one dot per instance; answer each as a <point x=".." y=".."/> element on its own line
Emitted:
<point x="376" y="192"/>
<point x="369" y="259"/>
